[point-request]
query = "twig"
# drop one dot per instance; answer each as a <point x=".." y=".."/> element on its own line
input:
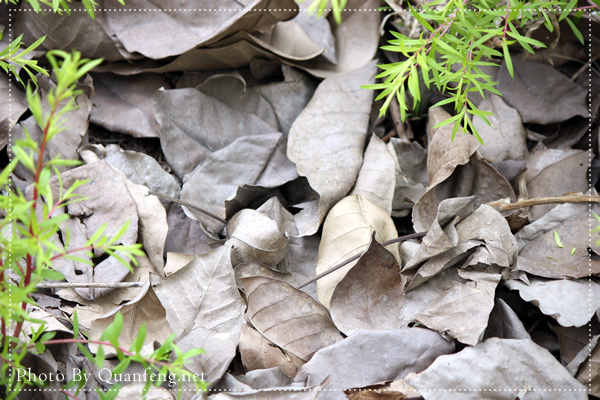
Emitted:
<point x="86" y="285"/>
<point x="359" y="255"/>
<point x="504" y="205"/>
<point x="584" y="67"/>
<point x="185" y="203"/>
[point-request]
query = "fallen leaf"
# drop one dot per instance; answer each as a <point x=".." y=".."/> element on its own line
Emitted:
<point x="498" y="369"/>
<point x="376" y="180"/>
<point x="410" y="164"/>
<point x="247" y="270"/>
<point x="346" y="232"/>
<point x="505" y="138"/>
<point x="125" y="104"/>
<point x="11" y="108"/>
<point x="371" y="294"/>
<point x="330" y="158"/>
<point x="217" y="179"/>
<point x="288" y="317"/>
<point x="219" y="350"/>
<point x="368" y="357"/>
<point x="589" y="376"/>
<point x="260" y="353"/>
<point x="255" y="238"/>
<point x="291" y="393"/>
<point x="540" y="93"/>
<point x="203" y="294"/>
<point x="561" y="299"/>
<point x="504" y="323"/>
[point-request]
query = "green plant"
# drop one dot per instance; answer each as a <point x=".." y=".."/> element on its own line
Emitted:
<point x="320" y="6"/>
<point x="28" y="250"/>
<point x="61" y="5"/>
<point x="460" y="37"/>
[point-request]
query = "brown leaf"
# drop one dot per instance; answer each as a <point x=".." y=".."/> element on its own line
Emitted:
<point x="376" y="180"/>
<point x="204" y="294"/>
<point x="258" y="353"/>
<point x="146" y="32"/>
<point x="255" y="238"/>
<point x="288" y="317"/>
<point x="347" y="231"/>
<point x="371" y="294"/>
<point x="369" y="357"/>
<point x="218" y="178"/>
<point x="11" y="108"/>
<point x="125" y="104"/>
<point x="511" y="365"/>
<point x="108" y="201"/>
<point x="291" y="393"/>
<point x="326" y="141"/>
<point x="540" y="93"/>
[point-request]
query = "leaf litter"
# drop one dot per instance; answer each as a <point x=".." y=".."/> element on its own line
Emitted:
<point x="262" y="123"/>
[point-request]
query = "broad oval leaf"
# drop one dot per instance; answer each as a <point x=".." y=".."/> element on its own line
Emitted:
<point x="347" y="232"/>
<point x="289" y="317"/>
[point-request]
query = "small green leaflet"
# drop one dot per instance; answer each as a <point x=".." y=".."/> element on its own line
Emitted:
<point x="557" y="239"/>
<point x="573" y="250"/>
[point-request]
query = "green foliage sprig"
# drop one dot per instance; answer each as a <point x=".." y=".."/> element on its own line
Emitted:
<point x="28" y="248"/>
<point x="460" y="38"/>
<point x="60" y="6"/>
<point x="9" y="55"/>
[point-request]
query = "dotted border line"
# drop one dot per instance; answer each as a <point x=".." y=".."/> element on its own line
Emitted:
<point x="124" y="9"/>
<point x="590" y="122"/>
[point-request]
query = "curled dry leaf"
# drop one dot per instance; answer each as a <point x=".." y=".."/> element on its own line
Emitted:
<point x="109" y="202"/>
<point x="138" y="32"/>
<point x="255" y="238"/>
<point x="410" y="164"/>
<point x="540" y="93"/>
<point x="258" y="353"/>
<point x="124" y="104"/>
<point x="326" y="140"/>
<point x="371" y="294"/>
<point x="289" y="393"/>
<point x="347" y="231"/>
<point x="570" y="302"/>
<point x="203" y="293"/>
<point x="254" y="269"/>
<point x="289" y="317"/>
<point x="507" y="365"/>
<point x="456" y="169"/>
<point x="369" y="357"/>
<point x="376" y="180"/>
<point x="218" y="178"/>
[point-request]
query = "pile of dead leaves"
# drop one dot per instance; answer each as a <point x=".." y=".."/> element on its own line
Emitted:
<point x="263" y="125"/>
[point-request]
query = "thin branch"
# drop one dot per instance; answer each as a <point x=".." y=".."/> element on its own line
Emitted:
<point x="90" y="285"/>
<point x="359" y="255"/>
<point x="185" y="203"/>
<point x="505" y="205"/>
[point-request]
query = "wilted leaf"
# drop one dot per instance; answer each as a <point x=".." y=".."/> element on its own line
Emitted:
<point x="504" y="323"/>
<point x="259" y="353"/>
<point x="376" y="180"/>
<point x="301" y="260"/>
<point x="144" y="309"/>
<point x="255" y="238"/>
<point x="125" y="104"/>
<point x="186" y="235"/>
<point x="288" y="317"/>
<point x="108" y="202"/>
<point x="219" y="350"/>
<point x="544" y="257"/>
<point x="506" y="138"/>
<point x="11" y="108"/>
<point x="217" y="179"/>
<point x="369" y="357"/>
<point x="570" y="302"/>
<point x="255" y="269"/>
<point x="540" y="93"/>
<point x="289" y="393"/>
<point x="203" y="294"/>
<point x="347" y="231"/>
<point x="319" y="31"/>
<point x="146" y="32"/>
<point x="507" y="365"/>
<point x="326" y="141"/>
<point x="188" y="137"/>
<point x="73" y="31"/>
<point x="273" y="209"/>
<point x="411" y="175"/>
<point x="371" y="294"/>
<point x="455" y="170"/>
<point x="590" y="376"/>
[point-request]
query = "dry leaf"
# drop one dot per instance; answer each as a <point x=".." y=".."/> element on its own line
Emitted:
<point x="288" y="317"/>
<point x="203" y="294"/>
<point x="498" y="369"/>
<point x="347" y="232"/>
<point x="376" y="180"/>
<point x="371" y="294"/>
<point x="255" y="238"/>
<point x="330" y="158"/>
